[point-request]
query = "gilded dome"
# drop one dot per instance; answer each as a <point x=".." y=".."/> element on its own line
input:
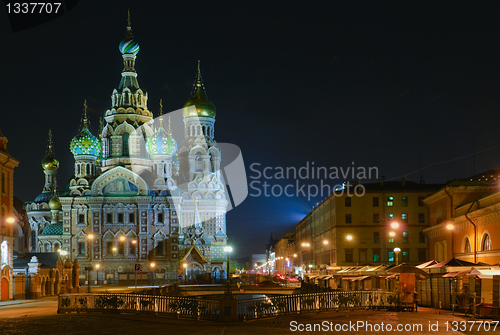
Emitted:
<point x="204" y="107"/>
<point x="54" y="203"/>
<point x="50" y="162"/>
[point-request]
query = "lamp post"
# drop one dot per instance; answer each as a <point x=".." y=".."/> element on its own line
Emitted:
<point x="396" y="251"/>
<point x="152" y="266"/>
<point x="451" y="228"/>
<point x="228" y="250"/>
<point x="97" y="274"/>
<point x="184" y="265"/>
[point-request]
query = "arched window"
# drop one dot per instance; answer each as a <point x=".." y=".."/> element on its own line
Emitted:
<point x="198" y="162"/>
<point x="467" y="246"/>
<point x="486" y="243"/>
<point x="125" y="144"/>
<point x="5" y="252"/>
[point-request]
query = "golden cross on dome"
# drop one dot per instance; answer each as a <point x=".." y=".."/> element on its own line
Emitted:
<point x="85" y="113"/>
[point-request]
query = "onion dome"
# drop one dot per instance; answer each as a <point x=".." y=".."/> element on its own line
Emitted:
<point x="53" y="229"/>
<point x="204" y="107"/>
<point x="43" y="197"/>
<point x="129" y="45"/>
<point x="85" y="143"/>
<point x="161" y="142"/>
<point x="50" y="162"/>
<point x="54" y="203"/>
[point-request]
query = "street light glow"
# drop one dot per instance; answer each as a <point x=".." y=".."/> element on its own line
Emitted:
<point x="325" y="242"/>
<point x="395" y="225"/>
<point x="10" y="220"/>
<point x="91" y="236"/>
<point x="450" y="226"/>
<point x="184" y="265"/>
<point x="392" y="233"/>
<point x="122" y="238"/>
<point x="349" y="237"/>
<point x="396" y="250"/>
<point x="228" y="249"/>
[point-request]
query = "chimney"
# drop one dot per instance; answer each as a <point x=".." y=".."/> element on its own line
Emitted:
<point x="382" y="181"/>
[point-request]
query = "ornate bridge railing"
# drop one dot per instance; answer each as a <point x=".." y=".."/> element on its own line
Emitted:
<point x="134" y="303"/>
<point x="200" y="309"/>
<point x="314" y="302"/>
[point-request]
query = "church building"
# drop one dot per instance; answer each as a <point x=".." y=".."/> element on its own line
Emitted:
<point x="138" y="196"/>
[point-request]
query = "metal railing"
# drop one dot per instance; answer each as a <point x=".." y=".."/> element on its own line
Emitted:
<point x="195" y="308"/>
<point x="314" y="302"/>
<point x="134" y="303"/>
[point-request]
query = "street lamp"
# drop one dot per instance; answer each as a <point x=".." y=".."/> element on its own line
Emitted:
<point x="451" y="228"/>
<point x="228" y="250"/>
<point x="184" y="265"/>
<point x="97" y="274"/>
<point x="349" y="237"/>
<point x="325" y="242"/>
<point x="397" y="251"/>
<point x="152" y="265"/>
<point x="395" y="225"/>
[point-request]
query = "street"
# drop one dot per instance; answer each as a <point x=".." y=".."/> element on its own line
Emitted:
<point x="40" y="317"/>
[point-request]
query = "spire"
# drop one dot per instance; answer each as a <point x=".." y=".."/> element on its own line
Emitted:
<point x="100" y="128"/>
<point x="198" y="84"/>
<point x="85" y="119"/>
<point x="49" y="142"/>
<point x="161" y="113"/>
<point x="129" y="26"/>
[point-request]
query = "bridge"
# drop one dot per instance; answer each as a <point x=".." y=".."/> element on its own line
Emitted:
<point x="218" y="289"/>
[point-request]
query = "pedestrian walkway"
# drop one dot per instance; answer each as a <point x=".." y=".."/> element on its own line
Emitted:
<point x="9" y="303"/>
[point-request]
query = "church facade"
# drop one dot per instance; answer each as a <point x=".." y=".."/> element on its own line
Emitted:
<point x="138" y="196"/>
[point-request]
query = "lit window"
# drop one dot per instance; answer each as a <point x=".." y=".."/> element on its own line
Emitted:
<point x="391" y="240"/>
<point x="404" y="201"/>
<point x="406" y="256"/>
<point x="390" y="216"/>
<point x="404" y="218"/>
<point x="405" y="237"/>
<point x="391" y="256"/>
<point x="487" y="243"/>
<point x="467" y="246"/>
<point x="390" y="201"/>
<point x="376" y="255"/>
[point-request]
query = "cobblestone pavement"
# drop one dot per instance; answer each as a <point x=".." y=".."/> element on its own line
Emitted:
<point x="328" y="322"/>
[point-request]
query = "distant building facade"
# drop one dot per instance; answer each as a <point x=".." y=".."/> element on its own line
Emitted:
<point x="346" y="230"/>
<point x="465" y="219"/>
<point x="7" y="219"/>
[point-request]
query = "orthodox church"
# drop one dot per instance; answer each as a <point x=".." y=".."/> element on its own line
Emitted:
<point x="138" y="196"/>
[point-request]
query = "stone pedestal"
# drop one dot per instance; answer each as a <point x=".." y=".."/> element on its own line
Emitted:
<point x="228" y="308"/>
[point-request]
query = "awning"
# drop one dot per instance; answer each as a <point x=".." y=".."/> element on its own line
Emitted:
<point x="391" y="276"/>
<point x="328" y="277"/>
<point x="311" y="277"/>
<point x="362" y="277"/>
<point x="456" y="274"/>
<point x="350" y="278"/>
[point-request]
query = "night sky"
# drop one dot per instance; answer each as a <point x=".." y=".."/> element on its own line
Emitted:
<point x="396" y="85"/>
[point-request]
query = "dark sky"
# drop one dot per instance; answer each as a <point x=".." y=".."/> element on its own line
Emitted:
<point x="383" y="84"/>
